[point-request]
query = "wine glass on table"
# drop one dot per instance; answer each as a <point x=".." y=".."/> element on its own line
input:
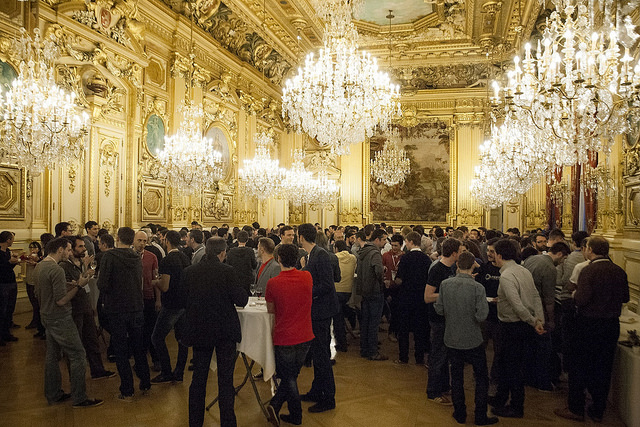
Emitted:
<point x="253" y="288"/>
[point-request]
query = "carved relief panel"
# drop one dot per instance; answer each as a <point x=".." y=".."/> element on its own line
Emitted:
<point x="12" y="193"/>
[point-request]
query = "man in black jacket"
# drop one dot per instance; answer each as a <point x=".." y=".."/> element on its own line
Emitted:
<point x="243" y="260"/>
<point x="325" y="305"/>
<point x="120" y="284"/>
<point x="212" y="323"/>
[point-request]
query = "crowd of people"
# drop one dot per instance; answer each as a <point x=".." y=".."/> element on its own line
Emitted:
<point x="548" y="306"/>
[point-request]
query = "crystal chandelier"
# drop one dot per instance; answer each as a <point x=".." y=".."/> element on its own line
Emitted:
<point x="261" y="177"/>
<point x="577" y="89"/>
<point x="191" y="163"/>
<point x="40" y="124"/>
<point x="298" y="185"/>
<point x="511" y="163"/>
<point x="340" y="95"/>
<point x="391" y="166"/>
<point x="326" y="190"/>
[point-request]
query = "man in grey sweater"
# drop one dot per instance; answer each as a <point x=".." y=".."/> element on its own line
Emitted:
<point x="463" y="303"/>
<point x="55" y="294"/>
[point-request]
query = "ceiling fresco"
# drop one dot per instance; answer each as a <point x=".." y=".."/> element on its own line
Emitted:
<point x="404" y="11"/>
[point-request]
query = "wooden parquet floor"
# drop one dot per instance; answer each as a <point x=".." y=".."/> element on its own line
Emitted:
<point x="369" y="394"/>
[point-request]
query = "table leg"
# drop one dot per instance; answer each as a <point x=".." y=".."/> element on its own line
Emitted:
<point x="236" y="389"/>
<point x="248" y="376"/>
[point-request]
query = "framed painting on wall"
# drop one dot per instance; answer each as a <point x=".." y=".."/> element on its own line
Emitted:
<point x="221" y="141"/>
<point x="155" y="134"/>
<point x="425" y="196"/>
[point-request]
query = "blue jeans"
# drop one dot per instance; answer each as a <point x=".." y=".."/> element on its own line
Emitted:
<point x="226" y="358"/>
<point x="126" y="330"/>
<point x="371" y="315"/>
<point x="63" y="337"/>
<point x="170" y="318"/>
<point x="477" y="358"/>
<point x="438" y="381"/>
<point x="289" y="360"/>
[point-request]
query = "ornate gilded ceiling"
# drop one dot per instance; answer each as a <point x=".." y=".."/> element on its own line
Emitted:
<point x="426" y="45"/>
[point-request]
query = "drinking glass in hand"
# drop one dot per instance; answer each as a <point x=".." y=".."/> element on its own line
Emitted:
<point x="93" y="265"/>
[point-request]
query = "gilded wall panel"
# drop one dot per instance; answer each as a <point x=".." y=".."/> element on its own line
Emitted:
<point x="12" y="193"/>
<point x="154" y="201"/>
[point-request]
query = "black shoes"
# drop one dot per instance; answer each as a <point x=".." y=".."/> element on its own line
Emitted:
<point x="378" y="356"/>
<point x="486" y="421"/>
<point x="321" y="406"/>
<point x="460" y="418"/>
<point x="507" y="412"/>
<point x="89" y="403"/>
<point x="162" y="379"/>
<point x="310" y="398"/>
<point x="63" y="398"/>
<point x="103" y="375"/>
<point x="287" y="418"/>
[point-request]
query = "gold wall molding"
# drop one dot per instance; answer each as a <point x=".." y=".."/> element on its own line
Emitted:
<point x="352" y="216"/>
<point x="72" y="174"/>
<point x="108" y="163"/>
<point x="12" y="193"/>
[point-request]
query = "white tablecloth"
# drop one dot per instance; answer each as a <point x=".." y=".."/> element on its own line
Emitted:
<point x="257" y="343"/>
<point x="625" y="390"/>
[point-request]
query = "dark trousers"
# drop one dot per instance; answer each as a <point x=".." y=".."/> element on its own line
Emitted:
<point x="413" y="318"/>
<point x="168" y="319"/>
<point x="126" y="330"/>
<point x="289" y="360"/>
<point x="339" y="328"/>
<point x="150" y="317"/>
<point x="538" y="356"/>
<point x="35" y="305"/>
<point x="88" y="331"/>
<point x="593" y="348"/>
<point x="438" y="381"/>
<point x="477" y="358"/>
<point x="323" y="387"/>
<point x="371" y="315"/>
<point x="567" y="326"/>
<point x="491" y="331"/>
<point x="391" y="296"/>
<point x="8" y="297"/>
<point x="514" y="338"/>
<point x="226" y="358"/>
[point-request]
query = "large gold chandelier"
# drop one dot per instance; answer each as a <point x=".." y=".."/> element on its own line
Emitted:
<point x="390" y="166"/>
<point x="340" y="95"/>
<point x="577" y="89"/>
<point x="261" y="177"/>
<point x="40" y="124"/>
<point x="189" y="159"/>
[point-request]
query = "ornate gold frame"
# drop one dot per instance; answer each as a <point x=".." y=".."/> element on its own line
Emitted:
<point x="453" y="177"/>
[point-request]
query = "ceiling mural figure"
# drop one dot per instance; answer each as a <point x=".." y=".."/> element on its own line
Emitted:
<point x="235" y="35"/>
